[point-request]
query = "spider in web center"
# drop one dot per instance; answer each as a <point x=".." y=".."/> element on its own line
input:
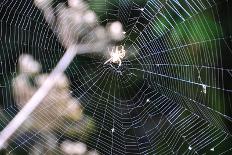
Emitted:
<point x="116" y="55"/>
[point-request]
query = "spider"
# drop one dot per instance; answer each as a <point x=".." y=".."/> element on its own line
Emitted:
<point x="117" y="55"/>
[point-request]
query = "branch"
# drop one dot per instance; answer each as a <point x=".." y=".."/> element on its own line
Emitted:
<point x="42" y="92"/>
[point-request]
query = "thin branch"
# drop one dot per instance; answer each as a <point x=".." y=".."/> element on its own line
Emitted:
<point x="42" y="92"/>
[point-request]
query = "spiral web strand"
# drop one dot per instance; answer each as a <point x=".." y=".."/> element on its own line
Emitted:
<point x="171" y="94"/>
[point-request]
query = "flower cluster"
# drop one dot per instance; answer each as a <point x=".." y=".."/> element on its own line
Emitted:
<point x="77" y="24"/>
<point x="76" y="148"/>
<point x="58" y="104"/>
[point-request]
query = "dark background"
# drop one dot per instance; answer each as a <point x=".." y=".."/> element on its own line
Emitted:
<point x="120" y="102"/>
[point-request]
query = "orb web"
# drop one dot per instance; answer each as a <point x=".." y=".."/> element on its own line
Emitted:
<point x="171" y="94"/>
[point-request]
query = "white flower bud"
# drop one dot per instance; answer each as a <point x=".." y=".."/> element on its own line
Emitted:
<point x="62" y="83"/>
<point x="77" y="4"/>
<point x="28" y="65"/>
<point x="116" y="31"/>
<point x="90" y="18"/>
<point x="72" y="148"/>
<point x="73" y="110"/>
<point x="100" y="33"/>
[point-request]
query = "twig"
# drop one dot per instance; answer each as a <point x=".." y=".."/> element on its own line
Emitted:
<point x="42" y="92"/>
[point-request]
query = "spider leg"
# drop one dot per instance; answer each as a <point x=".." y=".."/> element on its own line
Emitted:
<point x="108" y="61"/>
<point x="120" y="62"/>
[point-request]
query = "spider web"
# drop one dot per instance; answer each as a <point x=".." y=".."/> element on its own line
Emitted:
<point x="172" y="93"/>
